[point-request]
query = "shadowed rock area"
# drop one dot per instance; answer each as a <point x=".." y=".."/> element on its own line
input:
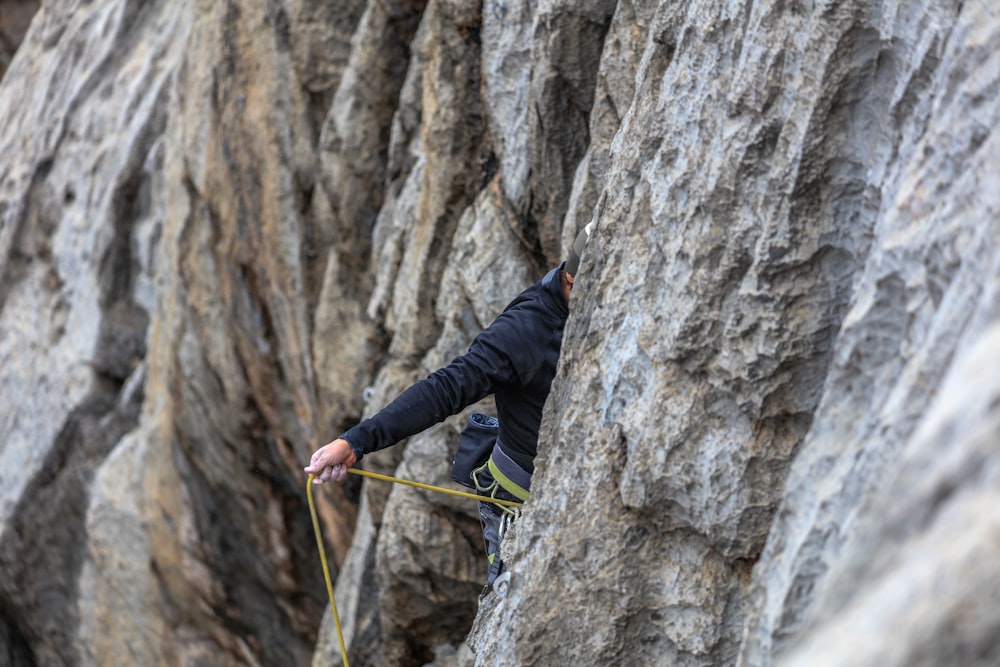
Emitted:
<point x="230" y="230"/>
<point x="15" y="17"/>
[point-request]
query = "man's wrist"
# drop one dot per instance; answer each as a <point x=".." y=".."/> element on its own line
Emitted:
<point x="358" y="454"/>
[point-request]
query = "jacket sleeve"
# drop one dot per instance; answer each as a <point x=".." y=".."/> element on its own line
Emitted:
<point x="497" y="356"/>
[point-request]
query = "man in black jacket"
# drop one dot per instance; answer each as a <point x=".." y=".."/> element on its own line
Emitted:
<point x="514" y="359"/>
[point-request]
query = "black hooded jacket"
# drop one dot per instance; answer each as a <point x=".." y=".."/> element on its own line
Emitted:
<point x="514" y="359"/>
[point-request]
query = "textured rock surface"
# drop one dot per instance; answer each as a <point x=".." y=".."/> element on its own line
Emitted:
<point x="892" y="423"/>
<point x="773" y="434"/>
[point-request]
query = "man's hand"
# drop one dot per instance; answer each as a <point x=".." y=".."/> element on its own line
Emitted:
<point x="330" y="462"/>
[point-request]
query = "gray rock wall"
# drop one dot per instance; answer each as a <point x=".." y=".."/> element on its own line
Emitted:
<point x="772" y="437"/>
<point x="898" y="441"/>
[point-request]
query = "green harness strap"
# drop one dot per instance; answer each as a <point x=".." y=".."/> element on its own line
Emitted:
<point x="505" y="482"/>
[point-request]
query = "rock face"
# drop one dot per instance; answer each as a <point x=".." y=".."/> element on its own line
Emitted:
<point x="773" y="436"/>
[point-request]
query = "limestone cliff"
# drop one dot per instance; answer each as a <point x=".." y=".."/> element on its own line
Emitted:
<point x="228" y="230"/>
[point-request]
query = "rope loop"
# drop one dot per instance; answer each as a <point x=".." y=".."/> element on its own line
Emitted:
<point x="505" y="505"/>
<point x="491" y="490"/>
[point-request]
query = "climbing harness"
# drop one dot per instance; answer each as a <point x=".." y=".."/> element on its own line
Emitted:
<point x="509" y="506"/>
<point x="502" y="476"/>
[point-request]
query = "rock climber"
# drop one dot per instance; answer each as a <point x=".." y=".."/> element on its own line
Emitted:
<point x="514" y="359"/>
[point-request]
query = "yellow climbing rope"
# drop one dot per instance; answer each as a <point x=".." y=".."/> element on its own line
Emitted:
<point x="384" y="478"/>
<point x="326" y="569"/>
<point x="439" y="489"/>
